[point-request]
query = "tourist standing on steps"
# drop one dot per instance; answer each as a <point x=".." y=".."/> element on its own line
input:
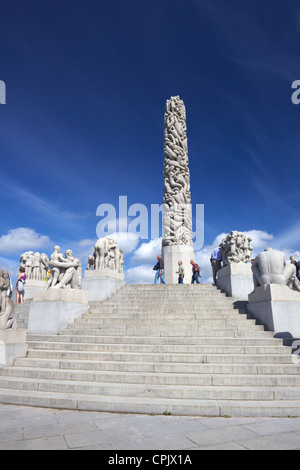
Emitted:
<point x="159" y="268"/>
<point x="196" y="272"/>
<point x="180" y="272"/>
<point x="215" y="261"/>
<point x="20" y="285"/>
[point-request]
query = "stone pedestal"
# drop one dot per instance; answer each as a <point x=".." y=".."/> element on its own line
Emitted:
<point x="12" y="344"/>
<point x="277" y="307"/>
<point x="101" y="284"/>
<point x="52" y="309"/>
<point x="171" y="255"/>
<point x="236" y="280"/>
<point x="33" y="286"/>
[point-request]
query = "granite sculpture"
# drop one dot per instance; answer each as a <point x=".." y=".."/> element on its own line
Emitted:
<point x="177" y="236"/>
<point x="236" y="248"/>
<point x="35" y="264"/>
<point x="6" y="304"/>
<point x="107" y="255"/>
<point x="177" y="217"/>
<point x="66" y="271"/>
<point x="271" y="267"/>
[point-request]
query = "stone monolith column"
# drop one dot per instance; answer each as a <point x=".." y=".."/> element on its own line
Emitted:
<point x="177" y="242"/>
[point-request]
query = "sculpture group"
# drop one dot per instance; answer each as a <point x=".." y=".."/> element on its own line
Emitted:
<point x="35" y="264"/>
<point x="66" y="271"/>
<point x="106" y="255"/>
<point x="236" y="248"/>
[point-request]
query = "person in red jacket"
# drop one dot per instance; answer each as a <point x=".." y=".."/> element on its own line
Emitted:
<point x="196" y="272"/>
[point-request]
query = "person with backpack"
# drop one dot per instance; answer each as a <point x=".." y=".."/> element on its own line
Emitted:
<point x="20" y="285"/>
<point x="196" y="272"/>
<point x="159" y="268"/>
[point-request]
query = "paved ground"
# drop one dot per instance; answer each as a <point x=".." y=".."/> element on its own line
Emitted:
<point x="29" y="428"/>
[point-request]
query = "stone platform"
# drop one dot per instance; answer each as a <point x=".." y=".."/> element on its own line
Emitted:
<point x="182" y="349"/>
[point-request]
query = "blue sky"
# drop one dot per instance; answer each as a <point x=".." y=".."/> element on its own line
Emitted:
<point x="86" y="87"/>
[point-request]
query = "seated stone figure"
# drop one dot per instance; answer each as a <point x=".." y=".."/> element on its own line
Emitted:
<point x="6" y="304"/>
<point x="270" y="267"/>
<point x="65" y="272"/>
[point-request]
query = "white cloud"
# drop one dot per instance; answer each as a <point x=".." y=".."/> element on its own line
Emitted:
<point x="87" y="242"/>
<point x="22" y="239"/>
<point x="142" y="274"/>
<point x="148" y="252"/>
<point x="260" y="240"/>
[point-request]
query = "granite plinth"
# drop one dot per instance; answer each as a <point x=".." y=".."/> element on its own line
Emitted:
<point x="31" y="287"/>
<point x="12" y="344"/>
<point x="277" y="307"/>
<point x="53" y="309"/>
<point x="101" y="284"/>
<point x="171" y="255"/>
<point x="236" y="280"/>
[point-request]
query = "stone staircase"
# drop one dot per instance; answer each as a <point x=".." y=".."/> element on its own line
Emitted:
<point x="180" y="349"/>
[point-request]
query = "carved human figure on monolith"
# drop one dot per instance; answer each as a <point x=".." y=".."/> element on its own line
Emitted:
<point x="177" y="217"/>
<point x="177" y="236"/>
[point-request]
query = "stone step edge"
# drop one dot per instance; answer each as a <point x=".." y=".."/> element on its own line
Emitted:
<point x="37" y="385"/>
<point x="152" y="406"/>
<point x="96" y="375"/>
<point x="198" y="356"/>
<point x="65" y="334"/>
<point x="153" y="367"/>
<point x="241" y="349"/>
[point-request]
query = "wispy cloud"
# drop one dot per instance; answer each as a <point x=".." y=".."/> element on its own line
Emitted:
<point x="40" y="206"/>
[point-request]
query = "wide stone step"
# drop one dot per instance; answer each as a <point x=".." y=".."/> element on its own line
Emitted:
<point x="184" y="317"/>
<point x="176" y="323"/>
<point x="148" y="378"/>
<point x="152" y="366"/>
<point x="160" y="357"/>
<point x="152" y="391"/>
<point x="82" y="329"/>
<point x="171" y="300"/>
<point x="151" y="405"/>
<point x="162" y="307"/>
<point x="154" y="348"/>
<point x="269" y="341"/>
